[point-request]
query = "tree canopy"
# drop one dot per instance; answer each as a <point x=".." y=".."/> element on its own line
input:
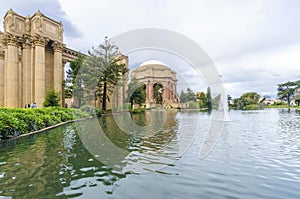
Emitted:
<point x="102" y="69"/>
<point x="201" y="96"/>
<point x="52" y="98"/>
<point x="287" y="90"/>
<point x="188" y="96"/>
<point x="249" y="100"/>
<point x="74" y="81"/>
<point x="136" y="92"/>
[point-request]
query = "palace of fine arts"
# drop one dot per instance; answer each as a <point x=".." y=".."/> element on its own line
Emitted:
<point x="149" y="99"/>
<point x="33" y="57"/>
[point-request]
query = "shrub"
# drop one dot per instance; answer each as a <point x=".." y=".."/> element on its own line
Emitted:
<point x="52" y="98"/>
<point x="16" y="121"/>
<point x="91" y="110"/>
<point x="253" y="107"/>
<point x="138" y="110"/>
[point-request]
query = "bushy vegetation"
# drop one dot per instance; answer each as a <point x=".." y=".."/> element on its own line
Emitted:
<point x="248" y="101"/>
<point x="17" y="121"/>
<point x="138" y="110"/>
<point x="289" y="91"/>
<point x="92" y="110"/>
<point x="52" y="98"/>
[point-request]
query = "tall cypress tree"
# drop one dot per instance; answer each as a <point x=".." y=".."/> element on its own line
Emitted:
<point x="104" y="68"/>
<point x="208" y="99"/>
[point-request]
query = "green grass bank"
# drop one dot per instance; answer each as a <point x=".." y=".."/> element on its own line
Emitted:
<point x="17" y="121"/>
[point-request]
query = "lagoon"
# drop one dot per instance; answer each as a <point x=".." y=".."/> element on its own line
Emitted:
<point x="257" y="156"/>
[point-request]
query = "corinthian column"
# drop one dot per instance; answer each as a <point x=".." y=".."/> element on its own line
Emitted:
<point x="1" y="78"/>
<point x="58" y="67"/>
<point x="39" y="70"/>
<point x="26" y="73"/>
<point x="12" y="73"/>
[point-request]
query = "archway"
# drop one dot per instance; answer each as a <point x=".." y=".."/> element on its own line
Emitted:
<point x="158" y="91"/>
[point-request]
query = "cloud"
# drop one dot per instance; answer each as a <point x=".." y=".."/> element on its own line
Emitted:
<point x="254" y="44"/>
<point x="50" y="8"/>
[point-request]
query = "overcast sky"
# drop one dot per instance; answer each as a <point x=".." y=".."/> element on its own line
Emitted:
<point x="254" y="44"/>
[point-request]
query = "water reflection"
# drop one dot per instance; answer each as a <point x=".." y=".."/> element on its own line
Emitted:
<point x="118" y="143"/>
<point x="68" y="160"/>
<point x="256" y="157"/>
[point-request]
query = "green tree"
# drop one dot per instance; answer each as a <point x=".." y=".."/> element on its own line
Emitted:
<point x="202" y="100"/>
<point x="297" y="97"/>
<point x="252" y="97"/>
<point x="103" y="69"/>
<point x="208" y="99"/>
<point x="74" y="81"/>
<point x="286" y="91"/>
<point x="158" y="93"/>
<point x="52" y="98"/>
<point x="136" y="92"/>
<point x="247" y="99"/>
<point x="188" y="96"/>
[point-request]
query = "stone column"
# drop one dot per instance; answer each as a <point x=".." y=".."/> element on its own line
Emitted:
<point x="165" y="91"/>
<point x="11" y="69"/>
<point x="169" y="90"/>
<point x="1" y="78"/>
<point x="120" y="95"/>
<point x="147" y="90"/>
<point x="39" y="70"/>
<point x="173" y="92"/>
<point x="58" y="75"/>
<point x="64" y="61"/>
<point x="27" y="73"/>
<point x="21" y="102"/>
<point x="151" y="92"/>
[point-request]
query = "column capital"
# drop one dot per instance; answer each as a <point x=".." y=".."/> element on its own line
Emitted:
<point x="27" y="41"/>
<point x="2" y="54"/>
<point x="57" y="47"/>
<point x="11" y="40"/>
<point x="39" y="40"/>
<point x="64" y="61"/>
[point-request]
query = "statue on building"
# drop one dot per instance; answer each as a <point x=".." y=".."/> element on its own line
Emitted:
<point x="27" y="25"/>
<point x="38" y="21"/>
<point x="10" y="24"/>
<point x="61" y="29"/>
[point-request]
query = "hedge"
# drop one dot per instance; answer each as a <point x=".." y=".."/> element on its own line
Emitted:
<point x="17" y="121"/>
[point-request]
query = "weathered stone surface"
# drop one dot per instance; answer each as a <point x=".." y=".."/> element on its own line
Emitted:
<point x="32" y="58"/>
<point x="154" y="72"/>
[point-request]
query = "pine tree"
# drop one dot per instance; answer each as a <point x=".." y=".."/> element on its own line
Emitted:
<point x="103" y="69"/>
<point x="209" y="99"/>
<point x="52" y="98"/>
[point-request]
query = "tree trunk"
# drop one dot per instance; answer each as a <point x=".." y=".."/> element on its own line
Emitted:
<point x="104" y="95"/>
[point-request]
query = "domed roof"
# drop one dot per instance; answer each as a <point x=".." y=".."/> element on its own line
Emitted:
<point x="153" y="62"/>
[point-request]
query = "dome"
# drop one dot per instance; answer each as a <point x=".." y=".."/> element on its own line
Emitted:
<point x="153" y="62"/>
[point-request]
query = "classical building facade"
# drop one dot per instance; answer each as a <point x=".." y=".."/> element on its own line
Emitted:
<point x="32" y="59"/>
<point x="160" y="83"/>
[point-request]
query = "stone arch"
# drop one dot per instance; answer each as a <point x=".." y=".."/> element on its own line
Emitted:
<point x="157" y="73"/>
<point x="158" y="93"/>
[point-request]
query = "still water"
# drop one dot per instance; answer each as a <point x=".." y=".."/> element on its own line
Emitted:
<point x="257" y="156"/>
